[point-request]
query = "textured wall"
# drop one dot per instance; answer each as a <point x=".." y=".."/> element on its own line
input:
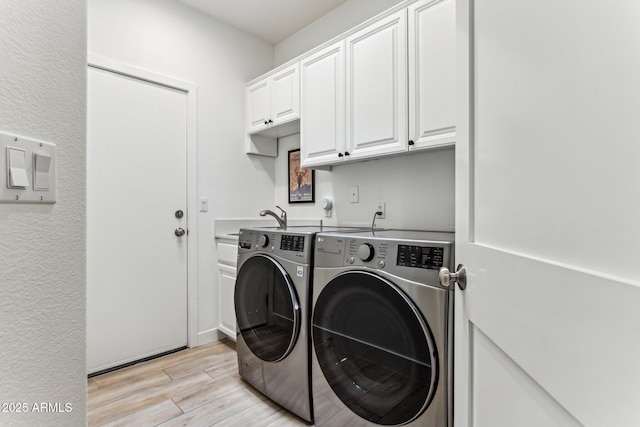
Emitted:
<point x="42" y="248"/>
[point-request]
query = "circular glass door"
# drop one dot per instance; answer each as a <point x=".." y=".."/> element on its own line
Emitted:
<point x="374" y="348"/>
<point x="267" y="308"/>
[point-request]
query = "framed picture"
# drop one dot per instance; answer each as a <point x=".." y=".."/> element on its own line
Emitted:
<point x="302" y="181"/>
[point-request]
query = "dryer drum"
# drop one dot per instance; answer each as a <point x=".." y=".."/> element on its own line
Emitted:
<point x="374" y="348"/>
<point x="267" y="308"/>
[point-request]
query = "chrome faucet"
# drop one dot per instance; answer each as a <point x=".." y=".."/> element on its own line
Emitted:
<point x="282" y="219"/>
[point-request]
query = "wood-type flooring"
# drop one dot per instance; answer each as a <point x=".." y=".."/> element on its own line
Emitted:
<point x="194" y="387"/>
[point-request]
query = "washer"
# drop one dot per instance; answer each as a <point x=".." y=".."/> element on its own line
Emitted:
<point x="382" y="329"/>
<point x="272" y="302"/>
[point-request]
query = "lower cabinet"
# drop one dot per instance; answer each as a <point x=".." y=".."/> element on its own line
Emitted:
<point x="226" y="307"/>
<point x="227" y="262"/>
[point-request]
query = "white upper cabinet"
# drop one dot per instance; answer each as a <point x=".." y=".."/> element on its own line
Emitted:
<point x="432" y="73"/>
<point x="376" y="97"/>
<point x="386" y="87"/>
<point x="354" y="96"/>
<point x="322" y="99"/>
<point x="273" y="100"/>
<point x="272" y="110"/>
<point x="258" y="106"/>
<point x="285" y="95"/>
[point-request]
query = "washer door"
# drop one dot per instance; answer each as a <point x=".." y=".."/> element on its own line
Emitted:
<point x="374" y="348"/>
<point x="267" y="308"/>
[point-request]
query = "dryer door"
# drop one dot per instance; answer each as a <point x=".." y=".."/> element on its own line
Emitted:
<point x="374" y="348"/>
<point x="267" y="308"/>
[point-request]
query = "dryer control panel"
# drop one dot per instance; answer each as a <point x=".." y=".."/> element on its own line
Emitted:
<point x="429" y="257"/>
<point x="415" y="255"/>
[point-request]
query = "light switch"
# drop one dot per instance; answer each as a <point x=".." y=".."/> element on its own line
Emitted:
<point x="30" y="165"/>
<point x="17" y="168"/>
<point x="41" y="167"/>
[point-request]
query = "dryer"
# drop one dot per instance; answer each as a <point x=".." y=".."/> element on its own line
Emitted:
<point x="382" y="329"/>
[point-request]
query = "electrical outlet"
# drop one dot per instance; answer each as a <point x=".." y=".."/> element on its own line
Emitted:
<point x="353" y="194"/>
<point x="382" y="207"/>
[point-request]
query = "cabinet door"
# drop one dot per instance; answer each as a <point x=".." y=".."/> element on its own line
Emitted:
<point x="432" y="73"/>
<point x="227" y="283"/>
<point x="322" y="127"/>
<point x="376" y="59"/>
<point x="257" y="104"/>
<point x="285" y="95"/>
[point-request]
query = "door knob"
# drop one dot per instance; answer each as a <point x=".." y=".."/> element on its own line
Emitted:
<point x="180" y="232"/>
<point x="459" y="277"/>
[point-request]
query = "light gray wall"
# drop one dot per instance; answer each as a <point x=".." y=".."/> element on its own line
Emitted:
<point x="42" y="248"/>
<point x="418" y="189"/>
<point x="332" y="24"/>
<point x="169" y="38"/>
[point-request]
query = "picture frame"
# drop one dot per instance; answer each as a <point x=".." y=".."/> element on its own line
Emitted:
<point x="302" y="181"/>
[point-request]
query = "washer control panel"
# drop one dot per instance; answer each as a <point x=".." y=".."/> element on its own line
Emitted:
<point x="291" y="242"/>
<point x="283" y="243"/>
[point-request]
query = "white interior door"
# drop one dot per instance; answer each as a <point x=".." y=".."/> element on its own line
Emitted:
<point x="136" y="181"/>
<point x="547" y="219"/>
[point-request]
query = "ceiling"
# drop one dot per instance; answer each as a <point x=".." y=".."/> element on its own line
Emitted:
<point x="269" y="20"/>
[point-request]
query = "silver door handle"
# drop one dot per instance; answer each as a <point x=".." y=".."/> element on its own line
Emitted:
<point x="459" y="277"/>
<point x="180" y="232"/>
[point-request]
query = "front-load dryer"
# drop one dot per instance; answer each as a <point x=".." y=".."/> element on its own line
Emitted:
<point x="381" y="329"/>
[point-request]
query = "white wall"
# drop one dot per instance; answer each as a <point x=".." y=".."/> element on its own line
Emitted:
<point x="332" y="24"/>
<point x="418" y="189"/>
<point x="169" y="38"/>
<point x="42" y="249"/>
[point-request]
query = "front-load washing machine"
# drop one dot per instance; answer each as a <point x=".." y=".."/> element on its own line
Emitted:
<point x="382" y="329"/>
<point x="272" y="302"/>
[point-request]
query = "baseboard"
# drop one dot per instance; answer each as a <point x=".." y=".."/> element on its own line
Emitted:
<point x="208" y="336"/>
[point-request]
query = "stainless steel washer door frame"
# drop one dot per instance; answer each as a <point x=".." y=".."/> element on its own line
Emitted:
<point x="436" y="306"/>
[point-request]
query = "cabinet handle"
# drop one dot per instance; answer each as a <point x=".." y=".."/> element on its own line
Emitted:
<point x="270" y="121"/>
<point x="346" y="153"/>
<point x="266" y="122"/>
<point x="411" y="142"/>
<point x="340" y="155"/>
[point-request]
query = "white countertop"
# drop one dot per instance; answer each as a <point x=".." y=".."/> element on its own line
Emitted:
<point x="228" y="228"/>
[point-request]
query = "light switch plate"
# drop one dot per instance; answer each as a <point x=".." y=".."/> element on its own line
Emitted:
<point x="204" y="204"/>
<point x="39" y="178"/>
